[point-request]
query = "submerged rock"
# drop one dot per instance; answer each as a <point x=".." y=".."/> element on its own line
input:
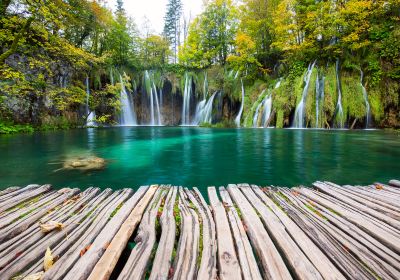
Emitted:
<point x="85" y="163"/>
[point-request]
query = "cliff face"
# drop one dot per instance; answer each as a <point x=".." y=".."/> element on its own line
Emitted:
<point x="57" y="95"/>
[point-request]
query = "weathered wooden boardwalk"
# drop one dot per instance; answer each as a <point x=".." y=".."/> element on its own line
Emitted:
<point x="325" y="231"/>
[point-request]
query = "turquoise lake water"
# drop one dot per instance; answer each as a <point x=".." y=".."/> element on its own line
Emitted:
<point x="201" y="157"/>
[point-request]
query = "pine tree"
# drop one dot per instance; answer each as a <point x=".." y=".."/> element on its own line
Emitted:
<point x="172" y="25"/>
<point x="120" y="7"/>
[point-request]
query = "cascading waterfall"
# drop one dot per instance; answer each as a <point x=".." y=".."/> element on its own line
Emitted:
<point x="91" y="116"/>
<point x="154" y="92"/>
<point x="339" y="108"/>
<point x="111" y="77"/>
<point x="267" y="104"/>
<point x="367" y="106"/>
<point x="256" y="114"/>
<point x="319" y="92"/>
<point x="300" y="109"/>
<point x="151" y="89"/>
<point x="204" y="110"/>
<point x="128" y="115"/>
<point x="239" y="116"/>
<point x="186" y="100"/>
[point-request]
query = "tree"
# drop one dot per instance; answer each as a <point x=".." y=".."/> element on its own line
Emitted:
<point x="172" y="25"/>
<point x="211" y="36"/>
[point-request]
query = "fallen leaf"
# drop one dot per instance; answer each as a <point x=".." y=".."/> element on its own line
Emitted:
<point x="379" y="187"/>
<point x="84" y="250"/>
<point x="35" y="276"/>
<point x="48" y="260"/>
<point x="51" y="225"/>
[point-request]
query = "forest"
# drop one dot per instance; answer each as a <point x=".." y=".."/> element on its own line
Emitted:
<point x="282" y="63"/>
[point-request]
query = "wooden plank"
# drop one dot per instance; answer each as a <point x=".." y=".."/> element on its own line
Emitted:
<point x="10" y="216"/>
<point x="36" y="251"/>
<point x="272" y="263"/>
<point x="163" y="259"/>
<point x="248" y="262"/>
<point x="24" y="196"/>
<point x="188" y="246"/>
<point x="344" y="261"/>
<point x="228" y="265"/>
<point x="360" y="251"/>
<point x="136" y="265"/>
<point x="13" y="230"/>
<point x="362" y="193"/>
<point x="350" y="201"/>
<point x="7" y="191"/>
<point x="21" y="242"/>
<point x="374" y="257"/>
<point x="395" y="183"/>
<point x="9" y="195"/>
<point x="100" y="260"/>
<point x="382" y="235"/>
<point x="366" y="201"/>
<point x="101" y="213"/>
<point x="313" y="253"/>
<point x="299" y="263"/>
<point x="207" y="268"/>
<point x="352" y="230"/>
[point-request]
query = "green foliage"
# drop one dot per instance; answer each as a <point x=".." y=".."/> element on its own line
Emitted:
<point x="211" y="35"/>
<point x="7" y="128"/>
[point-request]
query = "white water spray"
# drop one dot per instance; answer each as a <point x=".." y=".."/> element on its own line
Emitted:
<point x="299" y="115"/>
<point x="128" y="115"/>
<point x="339" y="108"/>
<point x="367" y="106"/>
<point x="91" y="116"/>
<point x="239" y="116"/>
<point x="186" y="100"/>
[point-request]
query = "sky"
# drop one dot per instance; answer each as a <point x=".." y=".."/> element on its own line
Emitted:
<point x="154" y="10"/>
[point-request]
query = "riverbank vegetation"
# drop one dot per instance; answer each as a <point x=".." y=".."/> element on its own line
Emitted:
<point x="52" y="54"/>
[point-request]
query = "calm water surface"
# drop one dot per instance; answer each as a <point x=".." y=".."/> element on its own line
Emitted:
<point x="201" y="157"/>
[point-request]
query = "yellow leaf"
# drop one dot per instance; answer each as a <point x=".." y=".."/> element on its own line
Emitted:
<point x="51" y="225"/>
<point x="48" y="260"/>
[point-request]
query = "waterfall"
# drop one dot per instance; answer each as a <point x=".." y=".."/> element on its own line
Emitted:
<point x="255" y="118"/>
<point x="186" y="100"/>
<point x="91" y="116"/>
<point x="367" y="106"/>
<point x="339" y="108"/>
<point x="300" y="109"/>
<point x="111" y="77"/>
<point x="154" y="92"/>
<point x="151" y="90"/>
<point x="239" y="116"/>
<point x="128" y="115"/>
<point x="205" y="86"/>
<point x="267" y="104"/>
<point x="319" y="96"/>
<point x="204" y="110"/>
<point x="257" y="112"/>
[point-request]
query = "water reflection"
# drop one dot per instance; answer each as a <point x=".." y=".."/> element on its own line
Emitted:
<point x="201" y="157"/>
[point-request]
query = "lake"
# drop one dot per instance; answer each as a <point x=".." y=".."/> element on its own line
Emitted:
<point x="191" y="156"/>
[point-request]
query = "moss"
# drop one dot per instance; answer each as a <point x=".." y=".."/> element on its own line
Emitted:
<point x="374" y="98"/>
<point x="352" y="97"/>
<point x="330" y="93"/>
<point x="279" y="119"/>
<point x="311" y="100"/>
<point x="116" y="210"/>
